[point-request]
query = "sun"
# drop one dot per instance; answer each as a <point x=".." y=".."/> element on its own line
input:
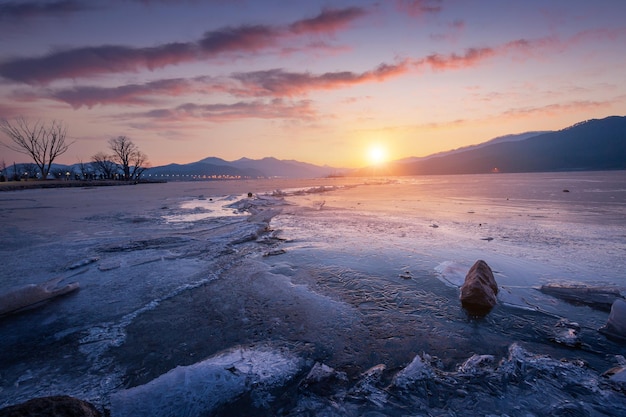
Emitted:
<point x="377" y="154"/>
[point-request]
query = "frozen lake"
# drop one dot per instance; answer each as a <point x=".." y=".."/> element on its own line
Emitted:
<point x="196" y="298"/>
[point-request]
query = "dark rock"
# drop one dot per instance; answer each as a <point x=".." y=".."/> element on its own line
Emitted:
<point x="616" y="324"/>
<point x="478" y="293"/>
<point x="275" y="252"/>
<point x="57" y="406"/>
<point x="567" y="333"/>
<point x="598" y="297"/>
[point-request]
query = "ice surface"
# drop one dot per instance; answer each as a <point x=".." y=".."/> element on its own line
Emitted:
<point x="174" y="279"/>
<point x="198" y="389"/>
<point x="417" y="370"/>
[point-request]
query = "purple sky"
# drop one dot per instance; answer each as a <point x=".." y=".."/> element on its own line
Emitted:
<point x="316" y="81"/>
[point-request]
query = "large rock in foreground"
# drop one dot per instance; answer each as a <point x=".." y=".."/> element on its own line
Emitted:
<point x="478" y="292"/>
<point x="57" y="406"/>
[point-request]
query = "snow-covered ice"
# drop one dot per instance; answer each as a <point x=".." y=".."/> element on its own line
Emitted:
<point x="195" y="281"/>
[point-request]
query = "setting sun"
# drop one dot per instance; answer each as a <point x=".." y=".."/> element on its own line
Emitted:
<point x="376" y="154"/>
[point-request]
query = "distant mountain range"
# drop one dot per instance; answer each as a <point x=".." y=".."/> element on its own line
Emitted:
<point x="499" y="139"/>
<point x="212" y="167"/>
<point x="592" y="145"/>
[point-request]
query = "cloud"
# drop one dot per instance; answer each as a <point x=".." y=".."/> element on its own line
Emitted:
<point x="474" y="56"/>
<point x="258" y="109"/>
<point x="328" y="21"/>
<point x="127" y="94"/>
<point x="471" y="57"/>
<point x="277" y="82"/>
<point x="10" y="111"/>
<point x="419" y="7"/>
<point x="240" y="39"/>
<point x="456" y="29"/>
<point x="558" y="108"/>
<point x="108" y="59"/>
<point x="20" y="10"/>
<point x="272" y="83"/>
<point x="90" y="61"/>
<point x="137" y="94"/>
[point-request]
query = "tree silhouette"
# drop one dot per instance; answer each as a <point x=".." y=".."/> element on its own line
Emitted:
<point x="104" y="164"/>
<point x="42" y="142"/>
<point x="127" y="155"/>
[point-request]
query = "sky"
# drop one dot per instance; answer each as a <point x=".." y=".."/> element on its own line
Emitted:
<point x="338" y="83"/>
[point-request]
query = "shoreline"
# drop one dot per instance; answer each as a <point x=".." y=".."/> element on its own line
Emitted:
<point x="37" y="184"/>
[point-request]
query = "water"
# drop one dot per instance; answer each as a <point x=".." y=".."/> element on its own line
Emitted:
<point x="355" y="282"/>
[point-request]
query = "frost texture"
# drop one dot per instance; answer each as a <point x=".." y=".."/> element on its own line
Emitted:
<point x="199" y="388"/>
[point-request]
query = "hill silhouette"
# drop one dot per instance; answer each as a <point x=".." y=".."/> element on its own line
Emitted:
<point x="598" y="144"/>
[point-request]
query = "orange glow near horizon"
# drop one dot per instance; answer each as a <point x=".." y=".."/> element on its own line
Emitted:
<point x="314" y="84"/>
<point x="377" y="154"/>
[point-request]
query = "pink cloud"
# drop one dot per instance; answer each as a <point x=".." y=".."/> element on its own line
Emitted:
<point x="240" y="39"/>
<point x="135" y="94"/>
<point x="558" y="108"/>
<point x="9" y="112"/>
<point x="470" y="58"/>
<point x="328" y="21"/>
<point x="273" y="83"/>
<point x="282" y="83"/>
<point x="474" y="56"/>
<point x="419" y="7"/>
<point x="127" y="94"/>
<point x="90" y="61"/>
<point x="277" y="82"/>
<point x="110" y="59"/>
<point x="258" y="109"/>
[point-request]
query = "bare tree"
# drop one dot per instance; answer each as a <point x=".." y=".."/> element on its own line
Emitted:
<point x="3" y="171"/>
<point x="29" y="170"/>
<point x="42" y="142"/>
<point x="127" y="155"/>
<point x="104" y="163"/>
<point x="140" y="164"/>
<point x="83" y="169"/>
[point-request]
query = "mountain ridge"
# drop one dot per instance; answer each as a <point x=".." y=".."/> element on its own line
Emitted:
<point x="591" y="145"/>
<point x="594" y="144"/>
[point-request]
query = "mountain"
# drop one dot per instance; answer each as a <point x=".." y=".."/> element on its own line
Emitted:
<point x="201" y="170"/>
<point x="598" y="144"/>
<point x="499" y="139"/>
<point x="242" y="168"/>
<point x="273" y="167"/>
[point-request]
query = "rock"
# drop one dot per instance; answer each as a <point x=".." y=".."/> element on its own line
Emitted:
<point x="57" y="406"/>
<point x="616" y="324"/>
<point x="406" y="275"/>
<point x="275" y="252"/>
<point x="566" y="333"/>
<point x="83" y="262"/>
<point x="598" y="297"/>
<point x="478" y="292"/>
<point x="33" y="294"/>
